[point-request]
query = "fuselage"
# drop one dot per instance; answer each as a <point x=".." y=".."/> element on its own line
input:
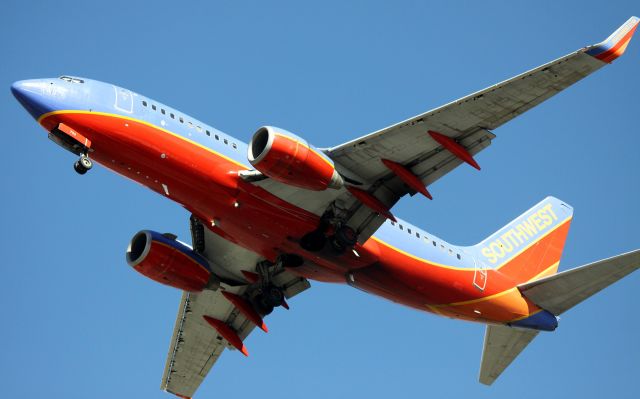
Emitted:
<point x="196" y="165"/>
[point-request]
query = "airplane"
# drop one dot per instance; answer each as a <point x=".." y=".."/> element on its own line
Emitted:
<point x="270" y="215"/>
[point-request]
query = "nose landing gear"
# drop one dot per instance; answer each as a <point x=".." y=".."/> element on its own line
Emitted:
<point x="83" y="164"/>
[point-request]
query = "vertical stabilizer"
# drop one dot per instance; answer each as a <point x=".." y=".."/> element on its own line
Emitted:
<point x="530" y="246"/>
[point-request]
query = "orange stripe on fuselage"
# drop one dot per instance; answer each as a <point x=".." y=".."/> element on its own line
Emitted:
<point x="421" y="284"/>
<point x="194" y="182"/>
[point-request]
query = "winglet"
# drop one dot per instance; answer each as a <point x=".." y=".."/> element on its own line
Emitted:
<point x="615" y="45"/>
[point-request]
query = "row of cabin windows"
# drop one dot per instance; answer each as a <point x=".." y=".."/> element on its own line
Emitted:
<point x="426" y="239"/>
<point x="190" y="124"/>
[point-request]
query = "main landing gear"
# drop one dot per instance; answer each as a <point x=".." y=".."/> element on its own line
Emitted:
<point x="83" y="164"/>
<point x="267" y="299"/>
<point x="268" y="295"/>
<point x="344" y="237"/>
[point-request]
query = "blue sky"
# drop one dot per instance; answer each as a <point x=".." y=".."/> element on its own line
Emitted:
<point x="77" y="322"/>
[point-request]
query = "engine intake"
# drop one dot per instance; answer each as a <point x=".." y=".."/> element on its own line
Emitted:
<point x="285" y="157"/>
<point x="167" y="261"/>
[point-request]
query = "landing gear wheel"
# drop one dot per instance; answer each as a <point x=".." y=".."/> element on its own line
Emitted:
<point x="273" y="296"/>
<point x="313" y="242"/>
<point x="261" y="306"/>
<point x="82" y="165"/>
<point x="268" y="298"/>
<point x="337" y="246"/>
<point x="81" y="170"/>
<point x="85" y="162"/>
<point x="346" y="236"/>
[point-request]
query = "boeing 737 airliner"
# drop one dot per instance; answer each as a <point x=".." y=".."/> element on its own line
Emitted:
<point x="268" y="216"/>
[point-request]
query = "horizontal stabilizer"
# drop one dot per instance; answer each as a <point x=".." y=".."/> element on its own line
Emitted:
<point x="501" y="346"/>
<point x="562" y="291"/>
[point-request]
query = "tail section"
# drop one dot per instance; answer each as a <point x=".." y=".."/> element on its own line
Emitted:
<point x="561" y="292"/>
<point x="530" y="246"/>
<point x="555" y="294"/>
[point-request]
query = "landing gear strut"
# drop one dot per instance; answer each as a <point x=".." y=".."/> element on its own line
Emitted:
<point x="83" y="164"/>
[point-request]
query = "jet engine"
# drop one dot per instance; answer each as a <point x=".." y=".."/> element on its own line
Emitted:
<point x="285" y="157"/>
<point x="162" y="258"/>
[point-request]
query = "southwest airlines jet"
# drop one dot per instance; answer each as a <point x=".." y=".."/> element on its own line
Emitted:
<point x="268" y="216"/>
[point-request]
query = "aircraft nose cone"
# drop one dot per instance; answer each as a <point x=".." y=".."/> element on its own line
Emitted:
<point x="18" y="90"/>
<point x="31" y="94"/>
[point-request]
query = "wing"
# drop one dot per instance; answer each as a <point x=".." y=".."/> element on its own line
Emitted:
<point x="430" y="145"/>
<point x="405" y="157"/>
<point x="196" y="345"/>
<point x="501" y="346"/>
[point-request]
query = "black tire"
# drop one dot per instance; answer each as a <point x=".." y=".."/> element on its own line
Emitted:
<point x="337" y="246"/>
<point x="81" y="170"/>
<point x="261" y="305"/>
<point x="313" y="242"/>
<point x="85" y="162"/>
<point x="346" y="236"/>
<point x="274" y="297"/>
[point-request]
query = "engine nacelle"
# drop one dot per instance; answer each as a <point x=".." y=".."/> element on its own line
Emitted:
<point x="285" y="157"/>
<point x="168" y="261"/>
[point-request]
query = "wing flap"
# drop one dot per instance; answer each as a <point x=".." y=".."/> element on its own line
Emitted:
<point x="560" y="292"/>
<point x="501" y="346"/>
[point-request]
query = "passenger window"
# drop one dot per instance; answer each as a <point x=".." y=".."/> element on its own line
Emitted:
<point x="190" y="125"/>
<point x="162" y="111"/>
<point x="226" y="141"/>
<point x="417" y="234"/>
<point x="393" y="223"/>
<point x="153" y="107"/>
<point x="434" y="243"/>
<point x="181" y="120"/>
<point x="401" y="228"/>
<point x="217" y="137"/>
<point x="458" y="256"/>
<point x="144" y="103"/>
<point x="234" y="145"/>
<point x="208" y="133"/>
<point x="172" y="116"/>
<point x="198" y="128"/>
<point x="408" y="230"/>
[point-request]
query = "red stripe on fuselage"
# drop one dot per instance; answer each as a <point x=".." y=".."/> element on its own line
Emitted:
<point x="417" y="283"/>
<point x="207" y="184"/>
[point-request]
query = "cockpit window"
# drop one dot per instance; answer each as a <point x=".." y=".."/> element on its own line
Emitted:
<point x="71" y="80"/>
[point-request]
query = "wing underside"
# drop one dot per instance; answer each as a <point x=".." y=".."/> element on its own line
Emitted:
<point x="466" y="124"/>
<point x="195" y="345"/>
